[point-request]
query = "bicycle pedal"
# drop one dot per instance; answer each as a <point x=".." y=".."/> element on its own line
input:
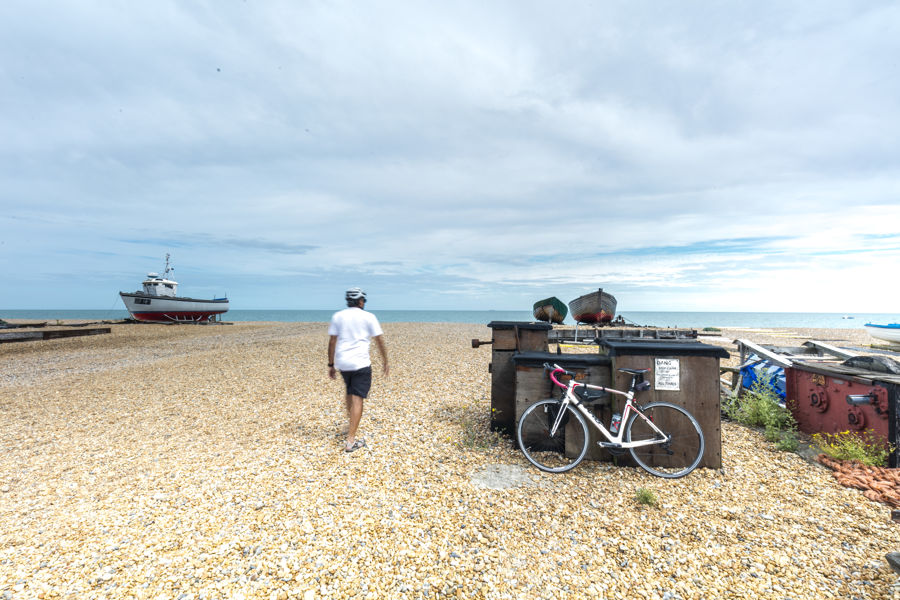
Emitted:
<point x="612" y="448"/>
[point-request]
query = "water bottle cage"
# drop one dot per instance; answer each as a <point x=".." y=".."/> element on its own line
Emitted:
<point x="615" y="423"/>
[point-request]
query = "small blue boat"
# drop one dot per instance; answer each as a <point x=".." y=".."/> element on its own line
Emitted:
<point x="888" y="333"/>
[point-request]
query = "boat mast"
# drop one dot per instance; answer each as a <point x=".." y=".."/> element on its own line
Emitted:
<point x="168" y="268"/>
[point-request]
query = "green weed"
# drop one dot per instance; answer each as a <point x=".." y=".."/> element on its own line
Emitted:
<point x="867" y="447"/>
<point x="787" y="442"/>
<point x="759" y="407"/>
<point x="645" y="497"/>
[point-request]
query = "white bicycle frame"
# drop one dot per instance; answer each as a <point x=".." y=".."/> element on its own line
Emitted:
<point x="615" y="441"/>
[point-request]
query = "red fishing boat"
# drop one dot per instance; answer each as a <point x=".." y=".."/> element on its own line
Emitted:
<point x="596" y="307"/>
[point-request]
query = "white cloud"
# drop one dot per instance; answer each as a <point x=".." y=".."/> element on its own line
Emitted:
<point x="708" y="157"/>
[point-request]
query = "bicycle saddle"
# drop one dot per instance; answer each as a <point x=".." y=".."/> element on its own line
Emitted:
<point x="635" y="371"/>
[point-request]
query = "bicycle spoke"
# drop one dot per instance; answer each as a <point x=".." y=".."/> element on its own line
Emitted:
<point x="557" y="452"/>
<point x="677" y="456"/>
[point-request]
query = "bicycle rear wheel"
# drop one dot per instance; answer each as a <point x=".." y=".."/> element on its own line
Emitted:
<point x="553" y="453"/>
<point x="673" y="458"/>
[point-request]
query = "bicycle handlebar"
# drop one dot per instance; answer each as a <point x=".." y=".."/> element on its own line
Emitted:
<point x="554" y="369"/>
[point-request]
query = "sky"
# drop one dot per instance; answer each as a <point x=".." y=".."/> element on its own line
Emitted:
<point x="708" y="156"/>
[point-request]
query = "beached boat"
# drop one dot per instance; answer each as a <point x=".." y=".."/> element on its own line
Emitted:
<point x="551" y="310"/>
<point x="888" y="333"/>
<point x="158" y="302"/>
<point x="596" y="307"/>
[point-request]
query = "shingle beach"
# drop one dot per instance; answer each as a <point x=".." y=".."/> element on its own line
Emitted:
<point x="189" y="462"/>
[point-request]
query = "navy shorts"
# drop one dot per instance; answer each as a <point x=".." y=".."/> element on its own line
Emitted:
<point x="358" y="382"/>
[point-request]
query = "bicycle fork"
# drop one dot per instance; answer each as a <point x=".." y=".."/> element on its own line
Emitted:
<point x="559" y="417"/>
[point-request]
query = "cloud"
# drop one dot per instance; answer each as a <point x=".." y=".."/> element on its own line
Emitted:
<point x="704" y="156"/>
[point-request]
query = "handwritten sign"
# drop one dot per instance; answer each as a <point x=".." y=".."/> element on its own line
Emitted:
<point x="668" y="374"/>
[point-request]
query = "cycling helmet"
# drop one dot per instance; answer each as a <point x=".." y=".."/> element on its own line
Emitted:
<point x="355" y="294"/>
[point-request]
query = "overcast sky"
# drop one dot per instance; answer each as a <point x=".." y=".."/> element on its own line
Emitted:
<point x="472" y="155"/>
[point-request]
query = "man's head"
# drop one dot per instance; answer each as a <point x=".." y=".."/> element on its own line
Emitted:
<point x="355" y="297"/>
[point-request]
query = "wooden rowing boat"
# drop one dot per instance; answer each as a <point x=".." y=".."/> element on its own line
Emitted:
<point x="551" y="310"/>
<point x="596" y="307"/>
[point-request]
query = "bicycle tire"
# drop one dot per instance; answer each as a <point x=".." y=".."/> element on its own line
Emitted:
<point x="675" y="458"/>
<point x="557" y="453"/>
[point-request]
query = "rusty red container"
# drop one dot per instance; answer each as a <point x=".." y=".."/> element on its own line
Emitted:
<point x="831" y="398"/>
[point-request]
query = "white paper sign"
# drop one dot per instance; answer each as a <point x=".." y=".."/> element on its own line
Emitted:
<point x="668" y="374"/>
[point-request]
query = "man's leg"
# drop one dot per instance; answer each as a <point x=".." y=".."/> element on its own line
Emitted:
<point x="354" y="412"/>
<point x="358" y="383"/>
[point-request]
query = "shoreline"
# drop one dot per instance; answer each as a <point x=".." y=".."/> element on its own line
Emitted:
<point x="661" y="319"/>
<point x="857" y="340"/>
<point x="206" y="461"/>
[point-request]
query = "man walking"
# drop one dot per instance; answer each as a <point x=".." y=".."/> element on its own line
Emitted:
<point x="350" y="332"/>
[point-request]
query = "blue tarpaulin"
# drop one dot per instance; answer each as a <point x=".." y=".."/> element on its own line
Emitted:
<point x="755" y="367"/>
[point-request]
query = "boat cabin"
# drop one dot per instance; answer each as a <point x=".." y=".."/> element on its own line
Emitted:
<point x="159" y="286"/>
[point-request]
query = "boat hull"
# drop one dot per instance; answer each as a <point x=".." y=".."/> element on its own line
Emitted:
<point x="172" y="309"/>
<point x="550" y="310"/>
<point x="596" y="307"/>
<point x="888" y="333"/>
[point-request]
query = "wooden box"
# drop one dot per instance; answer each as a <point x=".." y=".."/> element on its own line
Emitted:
<point x="533" y="384"/>
<point x="685" y="373"/>
<point x="508" y="338"/>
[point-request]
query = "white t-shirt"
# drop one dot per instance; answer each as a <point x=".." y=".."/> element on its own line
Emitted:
<point x="354" y="329"/>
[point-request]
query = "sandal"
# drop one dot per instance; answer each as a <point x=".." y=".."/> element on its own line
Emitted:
<point x="360" y="443"/>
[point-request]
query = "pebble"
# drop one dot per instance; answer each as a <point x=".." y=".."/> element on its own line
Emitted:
<point x="203" y="462"/>
<point x="893" y="559"/>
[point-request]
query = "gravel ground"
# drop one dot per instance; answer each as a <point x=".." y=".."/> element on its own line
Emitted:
<point x="191" y="462"/>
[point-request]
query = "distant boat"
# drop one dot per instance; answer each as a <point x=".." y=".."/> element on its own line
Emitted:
<point x="158" y="302"/>
<point x="889" y="333"/>
<point x="596" y="307"/>
<point x="550" y="309"/>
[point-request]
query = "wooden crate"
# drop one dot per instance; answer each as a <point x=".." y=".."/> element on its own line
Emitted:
<point x="508" y="338"/>
<point x="533" y="384"/>
<point x="692" y="367"/>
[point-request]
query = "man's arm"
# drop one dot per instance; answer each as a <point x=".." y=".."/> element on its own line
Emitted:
<point x="379" y="341"/>
<point x="332" y="344"/>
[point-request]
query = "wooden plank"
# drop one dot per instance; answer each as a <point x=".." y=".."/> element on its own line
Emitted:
<point x="851" y="373"/>
<point x="63" y="333"/>
<point x="834" y="350"/>
<point x="29" y="336"/>
<point x="503" y="391"/>
<point x="890" y="347"/>
<point x="532" y="340"/>
<point x="523" y="340"/>
<point x="20" y="336"/>
<point x="735" y="376"/>
<point x="588" y="335"/>
<point x="777" y="359"/>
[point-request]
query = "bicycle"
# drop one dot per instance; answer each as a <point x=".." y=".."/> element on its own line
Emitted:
<point x="664" y="439"/>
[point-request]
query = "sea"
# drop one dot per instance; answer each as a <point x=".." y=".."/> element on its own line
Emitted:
<point x="691" y="320"/>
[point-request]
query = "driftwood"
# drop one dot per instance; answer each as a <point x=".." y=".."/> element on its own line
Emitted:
<point x="31" y="336"/>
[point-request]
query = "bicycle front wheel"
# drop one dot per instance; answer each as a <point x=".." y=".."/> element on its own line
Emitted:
<point x="560" y="451"/>
<point x="672" y="456"/>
